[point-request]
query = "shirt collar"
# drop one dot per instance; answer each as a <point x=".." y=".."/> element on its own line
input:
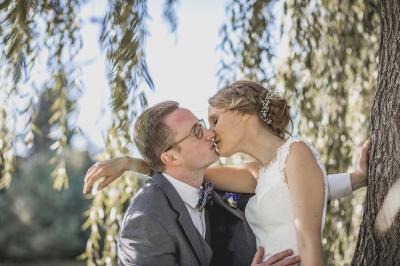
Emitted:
<point x="190" y="195"/>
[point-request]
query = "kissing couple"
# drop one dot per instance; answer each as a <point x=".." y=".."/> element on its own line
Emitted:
<point x="191" y="212"/>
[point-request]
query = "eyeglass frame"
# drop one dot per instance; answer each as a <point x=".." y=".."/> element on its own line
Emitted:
<point x="200" y="124"/>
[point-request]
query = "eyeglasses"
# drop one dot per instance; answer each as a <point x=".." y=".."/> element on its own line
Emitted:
<point x="197" y="131"/>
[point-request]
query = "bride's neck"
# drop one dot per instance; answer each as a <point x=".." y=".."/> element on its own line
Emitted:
<point x="261" y="143"/>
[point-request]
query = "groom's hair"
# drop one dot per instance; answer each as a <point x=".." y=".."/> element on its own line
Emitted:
<point x="152" y="135"/>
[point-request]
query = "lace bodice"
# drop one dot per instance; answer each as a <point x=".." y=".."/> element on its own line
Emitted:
<point x="270" y="211"/>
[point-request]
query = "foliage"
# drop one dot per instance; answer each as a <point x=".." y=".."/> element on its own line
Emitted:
<point x="29" y="28"/>
<point x="329" y="77"/>
<point x="32" y="30"/>
<point x="38" y="222"/>
<point x="247" y="41"/>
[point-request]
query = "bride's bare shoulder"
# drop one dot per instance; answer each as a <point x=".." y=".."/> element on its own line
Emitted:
<point x="301" y="159"/>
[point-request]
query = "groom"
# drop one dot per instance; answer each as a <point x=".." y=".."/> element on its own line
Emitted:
<point x="164" y="224"/>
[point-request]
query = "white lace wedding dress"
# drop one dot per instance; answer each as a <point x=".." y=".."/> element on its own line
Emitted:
<point x="269" y="212"/>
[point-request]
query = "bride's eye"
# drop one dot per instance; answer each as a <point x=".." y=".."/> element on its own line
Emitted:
<point x="213" y="122"/>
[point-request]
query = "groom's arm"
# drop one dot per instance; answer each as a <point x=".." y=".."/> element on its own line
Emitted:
<point x="341" y="185"/>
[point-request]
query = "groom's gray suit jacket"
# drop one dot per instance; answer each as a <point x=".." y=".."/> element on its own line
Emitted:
<point x="158" y="230"/>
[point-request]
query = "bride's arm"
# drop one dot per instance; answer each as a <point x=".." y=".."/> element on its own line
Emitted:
<point x="306" y="185"/>
<point x="112" y="170"/>
<point x="240" y="178"/>
<point x="234" y="178"/>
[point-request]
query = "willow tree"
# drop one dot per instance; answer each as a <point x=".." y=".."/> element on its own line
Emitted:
<point x="329" y="76"/>
<point x="378" y="241"/>
<point x="36" y="29"/>
<point x="332" y="77"/>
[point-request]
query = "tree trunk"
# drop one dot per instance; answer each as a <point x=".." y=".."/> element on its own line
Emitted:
<point x="379" y="238"/>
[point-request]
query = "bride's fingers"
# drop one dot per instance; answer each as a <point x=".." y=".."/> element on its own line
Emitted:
<point x="365" y="150"/>
<point x="99" y="166"/>
<point x="92" y="178"/>
<point x="106" y="182"/>
<point x="89" y="171"/>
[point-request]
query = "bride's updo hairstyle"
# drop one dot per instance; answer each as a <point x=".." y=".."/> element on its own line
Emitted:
<point x="248" y="97"/>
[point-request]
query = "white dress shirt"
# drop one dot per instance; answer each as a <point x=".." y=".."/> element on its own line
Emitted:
<point x="190" y="196"/>
<point x="339" y="185"/>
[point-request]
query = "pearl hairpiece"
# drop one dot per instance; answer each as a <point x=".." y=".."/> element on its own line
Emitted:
<point x="265" y="107"/>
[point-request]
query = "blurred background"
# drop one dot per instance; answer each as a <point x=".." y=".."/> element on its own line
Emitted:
<point x="75" y="74"/>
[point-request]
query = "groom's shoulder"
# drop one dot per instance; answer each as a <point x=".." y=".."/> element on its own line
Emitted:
<point x="149" y="198"/>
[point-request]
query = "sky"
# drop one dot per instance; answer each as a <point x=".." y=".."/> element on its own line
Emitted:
<point x="183" y="65"/>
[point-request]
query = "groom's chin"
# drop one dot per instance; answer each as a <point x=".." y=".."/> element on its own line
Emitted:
<point x="213" y="160"/>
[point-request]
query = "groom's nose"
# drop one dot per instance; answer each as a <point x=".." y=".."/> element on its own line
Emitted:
<point x="209" y="133"/>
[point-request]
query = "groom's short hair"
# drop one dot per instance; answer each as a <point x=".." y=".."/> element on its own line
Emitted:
<point x="152" y="136"/>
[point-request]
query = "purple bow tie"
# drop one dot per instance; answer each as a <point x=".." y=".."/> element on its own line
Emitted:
<point x="205" y="195"/>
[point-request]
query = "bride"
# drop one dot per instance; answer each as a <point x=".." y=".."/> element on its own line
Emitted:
<point x="288" y="178"/>
<point x="288" y="208"/>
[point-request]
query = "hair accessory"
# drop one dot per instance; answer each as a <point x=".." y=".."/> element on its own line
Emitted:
<point x="265" y="107"/>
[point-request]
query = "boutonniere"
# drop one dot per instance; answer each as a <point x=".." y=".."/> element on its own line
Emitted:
<point x="231" y="199"/>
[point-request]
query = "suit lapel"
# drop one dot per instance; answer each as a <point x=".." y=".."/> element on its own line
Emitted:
<point x="199" y="245"/>
<point x="196" y="240"/>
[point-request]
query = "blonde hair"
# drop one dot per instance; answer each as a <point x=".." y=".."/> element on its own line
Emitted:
<point x="246" y="96"/>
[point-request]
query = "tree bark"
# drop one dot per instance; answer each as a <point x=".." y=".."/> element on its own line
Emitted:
<point x="382" y="247"/>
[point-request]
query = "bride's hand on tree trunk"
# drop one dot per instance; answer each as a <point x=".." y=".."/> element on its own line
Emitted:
<point x="360" y="175"/>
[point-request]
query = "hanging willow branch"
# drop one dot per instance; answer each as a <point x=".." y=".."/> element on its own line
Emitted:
<point x="7" y="153"/>
<point x="169" y="14"/>
<point x="247" y="41"/>
<point x="63" y="43"/>
<point x="331" y="75"/>
<point x="27" y="28"/>
<point x="17" y="41"/>
<point x="17" y="37"/>
<point x="123" y="36"/>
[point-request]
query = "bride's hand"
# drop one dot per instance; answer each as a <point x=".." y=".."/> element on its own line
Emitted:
<point x="112" y="170"/>
<point x="360" y="175"/>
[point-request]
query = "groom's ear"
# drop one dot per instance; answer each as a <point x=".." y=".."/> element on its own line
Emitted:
<point x="168" y="158"/>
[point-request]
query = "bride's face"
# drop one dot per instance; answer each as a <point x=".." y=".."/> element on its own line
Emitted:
<point x="229" y="130"/>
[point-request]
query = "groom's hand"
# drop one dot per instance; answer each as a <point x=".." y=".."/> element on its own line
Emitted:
<point x="279" y="259"/>
<point x="360" y="175"/>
